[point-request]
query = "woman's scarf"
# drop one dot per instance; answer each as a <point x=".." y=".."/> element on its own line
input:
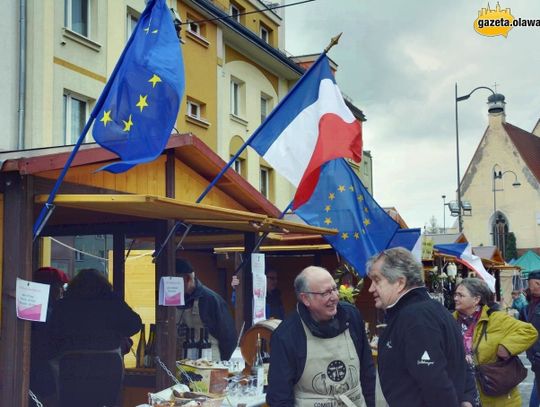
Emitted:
<point x="467" y="324"/>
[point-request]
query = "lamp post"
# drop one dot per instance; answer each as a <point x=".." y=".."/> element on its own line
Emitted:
<point x="460" y="99"/>
<point x="498" y="175"/>
<point x="444" y="213"/>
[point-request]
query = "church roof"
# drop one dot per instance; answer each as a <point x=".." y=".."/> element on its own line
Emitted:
<point x="528" y="146"/>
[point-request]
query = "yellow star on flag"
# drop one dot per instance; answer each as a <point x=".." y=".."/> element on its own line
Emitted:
<point x="154" y="80"/>
<point x="142" y="102"/>
<point x="327" y="208"/>
<point x="366" y="210"/>
<point x="356" y="235"/>
<point x="106" y="117"/>
<point x="128" y="124"/>
<point x="331" y="196"/>
<point x="360" y="198"/>
<point x="155" y="31"/>
<point x="351" y="188"/>
<point x="366" y="222"/>
<point x="341" y="188"/>
<point x="344" y="235"/>
<point x="147" y="29"/>
<point x="327" y="221"/>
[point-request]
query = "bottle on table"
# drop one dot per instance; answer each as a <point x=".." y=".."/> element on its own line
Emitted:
<point x="192" y="348"/>
<point x="141" y="346"/>
<point x="257" y="368"/>
<point x="205" y="346"/>
<point x="150" y="350"/>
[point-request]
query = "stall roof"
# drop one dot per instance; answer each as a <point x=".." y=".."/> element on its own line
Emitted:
<point x="157" y="207"/>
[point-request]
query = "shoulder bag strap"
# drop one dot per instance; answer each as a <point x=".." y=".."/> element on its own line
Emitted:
<point x="482" y="333"/>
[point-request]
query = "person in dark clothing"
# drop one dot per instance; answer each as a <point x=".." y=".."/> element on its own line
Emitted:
<point x="421" y="359"/>
<point x="274" y="306"/>
<point x="204" y="309"/>
<point x="320" y="354"/>
<point x="531" y="314"/>
<point x="88" y="327"/>
<point x="42" y="382"/>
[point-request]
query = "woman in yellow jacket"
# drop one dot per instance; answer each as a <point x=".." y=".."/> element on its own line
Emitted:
<point x="505" y="336"/>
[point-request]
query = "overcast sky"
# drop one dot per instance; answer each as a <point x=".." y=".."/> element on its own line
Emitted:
<point x="398" y="61"/>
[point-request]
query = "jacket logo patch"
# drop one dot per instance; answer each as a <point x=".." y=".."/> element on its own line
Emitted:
<point x="389" y="344"/>
<point x="425" y="359"/>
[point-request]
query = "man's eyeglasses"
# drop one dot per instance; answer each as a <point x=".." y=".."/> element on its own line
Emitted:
<point x="325" y="294"/>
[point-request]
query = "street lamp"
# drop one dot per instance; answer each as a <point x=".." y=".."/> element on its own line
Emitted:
<point x="460" y="99"/>
<point x="444" y="213"/>
<point x="498" y="175"/>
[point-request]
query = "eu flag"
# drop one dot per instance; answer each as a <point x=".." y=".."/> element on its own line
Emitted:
<point x="139" y="105"/>
<point x="341" y="202"/>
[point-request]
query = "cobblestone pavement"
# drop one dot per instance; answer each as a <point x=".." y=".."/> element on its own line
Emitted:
<point x="526" y="385"/>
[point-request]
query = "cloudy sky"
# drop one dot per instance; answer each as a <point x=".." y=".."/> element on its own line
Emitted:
<point x="399" y="61"/>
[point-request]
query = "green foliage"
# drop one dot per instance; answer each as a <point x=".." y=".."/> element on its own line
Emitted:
<point x="510" y="251"/>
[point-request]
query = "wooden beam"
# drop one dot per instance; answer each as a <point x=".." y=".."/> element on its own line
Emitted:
<point x="15" y="333"/>
<point x="249" y="244"/>
<point x="119" y="264"/>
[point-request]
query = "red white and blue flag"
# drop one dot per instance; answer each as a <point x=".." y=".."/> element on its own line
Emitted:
<point x="310" y="126"/>
<point x="464" y="255"/>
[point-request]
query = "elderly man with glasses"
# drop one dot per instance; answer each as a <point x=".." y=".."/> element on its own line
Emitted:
<point x="421" y="358"/>
<point x="320" y="355"/>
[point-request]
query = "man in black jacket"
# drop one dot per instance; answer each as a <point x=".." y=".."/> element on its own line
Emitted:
<point x="203" y="309"/>
<point x="531" y="313"/>
<point x="421" y="359"/>
<point x="320" y="354"/>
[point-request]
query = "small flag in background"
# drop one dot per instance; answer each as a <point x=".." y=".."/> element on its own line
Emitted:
<point x="139" y="105"/>
<point x="311" y="126"/>
<point x="341" y="202"/>
<point x="463" y="254"/>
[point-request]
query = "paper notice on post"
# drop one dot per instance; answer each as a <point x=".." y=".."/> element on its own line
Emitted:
<point x="259" y="287"/>
<point x="171" y="291"/>
<point x="32" y="300"/>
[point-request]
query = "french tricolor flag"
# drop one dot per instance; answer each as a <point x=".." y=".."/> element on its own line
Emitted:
<point x="310" y="126"/>
<point x="463" y="254"/>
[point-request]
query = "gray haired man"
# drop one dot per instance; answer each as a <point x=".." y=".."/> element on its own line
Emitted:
<point x="421" y="359"/>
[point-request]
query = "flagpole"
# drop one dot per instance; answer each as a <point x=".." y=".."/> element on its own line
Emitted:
<point x="333" y="41"/>
<point x="47" y="209"/>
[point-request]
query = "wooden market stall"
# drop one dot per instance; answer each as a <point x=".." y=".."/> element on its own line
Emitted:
<point x="144" y="203"/>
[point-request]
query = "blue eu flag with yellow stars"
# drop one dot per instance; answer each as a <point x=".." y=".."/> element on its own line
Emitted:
<point x="341" y="202"/>
<point x="137" y="110"/>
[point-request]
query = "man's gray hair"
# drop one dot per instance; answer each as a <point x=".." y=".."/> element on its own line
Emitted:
<point x="396" y="263"/>
<point x="478" y="288"/>
<point x="301" y="284"/>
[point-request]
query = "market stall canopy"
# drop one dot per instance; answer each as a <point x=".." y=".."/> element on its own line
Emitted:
<point x="528" y="262"/>
<point x="157" y="207"/>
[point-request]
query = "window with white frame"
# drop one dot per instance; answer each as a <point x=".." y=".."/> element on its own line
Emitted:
<point x="266" y="102"/>
<point x="194" y="109"/>
<point x="265" y="34"/>
<point x="75" y="115"/>
<point x="236" y="96"/>
<point x="131" y="23"/>
<point x="77" y="16"/>
<point x="194" y="28"/>
<point x="264" y="181"/>
<point x="238" y="165"/>
<point x="234" y="12"/>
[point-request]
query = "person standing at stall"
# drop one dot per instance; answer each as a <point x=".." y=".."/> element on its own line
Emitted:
<point x="274" y="305"/>
<point x="421" y="359"/>
<point x="204" y="309"/>
<point x="320" y="354"/>
<point x="88" y="327"/>
<point x="42" y="381"/>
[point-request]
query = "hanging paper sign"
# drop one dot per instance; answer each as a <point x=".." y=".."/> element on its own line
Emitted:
<point x="171" y="291"/>
<point x="32" y="300"/>
<point x="259" y="287"/>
